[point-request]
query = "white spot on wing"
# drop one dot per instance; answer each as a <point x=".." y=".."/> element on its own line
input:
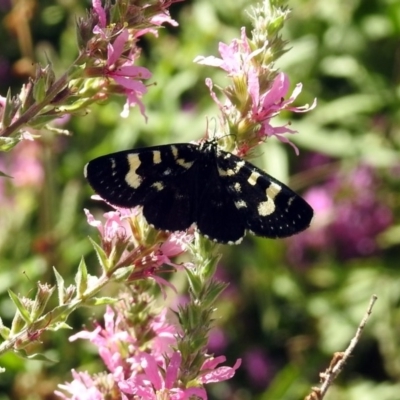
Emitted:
<point x="175" y="151"/>
<point x="180" y="161"/>
<point x="266" y="208"/>
<point x="183" y="163"/>
<point x="132" y="178"/>
<point x="240" y="204"/>
<point x="156" y="157"/>
<point x="273" y="190"/>
<point x="253" y="178"/>
<point x="158" y="186"/>
<point x="231" y="172"/>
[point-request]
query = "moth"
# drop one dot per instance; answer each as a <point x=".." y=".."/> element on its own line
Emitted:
<point x="184" y="184"/>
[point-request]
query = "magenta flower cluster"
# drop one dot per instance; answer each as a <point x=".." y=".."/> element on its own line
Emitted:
<point x="137" y="374"/>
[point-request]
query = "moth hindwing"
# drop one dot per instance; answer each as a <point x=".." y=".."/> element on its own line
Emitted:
<point x="179" y="185"/>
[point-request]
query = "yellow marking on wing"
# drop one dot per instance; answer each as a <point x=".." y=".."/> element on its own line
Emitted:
<point x="132" y="178"/>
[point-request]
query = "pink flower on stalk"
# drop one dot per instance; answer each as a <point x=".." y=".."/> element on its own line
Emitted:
<point x="210" y="373"/>
<point x="81" y="388"/>
<point x="126" y="75"/>
<point x="117" y="342"/>
<point x="150" y="265"/>
<point x="114" y="229"/>
<point x="96" y="387"/>
<point x="101" y="14"/>
<point x="155" y="382"/>
<point x="163" y="15"/>
<point x="114" y="342"/>
<point x="165" y="335"/>
<point x="270" y="103"/>
<point x="238" y="61"/>
<point x="235" y="57"/>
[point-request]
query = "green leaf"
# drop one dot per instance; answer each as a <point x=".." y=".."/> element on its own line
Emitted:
<point x="11" y="106"/>
<point x="24" y="312"/>
<point x="35" y="356"/>
<point x="60" y="286"/>
<point x="101" y="255"/>
<point x="62" y="312"/>
<point x="60" y="325"/>
<point x="195" y="282"/>
<point x="81" y="278"/>
<point x="39" y="85"/>
<point x="4" y="331"/>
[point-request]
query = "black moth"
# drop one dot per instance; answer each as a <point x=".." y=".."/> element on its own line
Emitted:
<point x="179" y="185"/>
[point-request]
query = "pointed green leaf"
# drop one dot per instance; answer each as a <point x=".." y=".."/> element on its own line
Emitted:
<point x="60" y="286"/>
<point x="61" y="313"/>
<point x="39" y="85"/>
<point x="4" y="331"/>
<point x="36" y="356"/>
<point x="11" y="107"/>
<point x="101" y="255"/>
<point x="81" y="278"/>
<point x="194" y="282"/>
<point x="25" y="314"/>
<point x="59" y="326"/>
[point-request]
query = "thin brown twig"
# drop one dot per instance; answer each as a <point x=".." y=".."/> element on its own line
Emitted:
<point x="339" y="359"/>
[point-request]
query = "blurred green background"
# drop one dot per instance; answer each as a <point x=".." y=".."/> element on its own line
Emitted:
<point x="290" y="303"/>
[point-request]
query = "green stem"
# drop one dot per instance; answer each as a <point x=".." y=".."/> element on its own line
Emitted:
<point x="34" y="109"/>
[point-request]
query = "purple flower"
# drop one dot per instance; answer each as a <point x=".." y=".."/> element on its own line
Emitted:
<point x="349" y="216"/>
<point x="270" y="103"/>
<point x="258" y="367"/>
<point x="83" y="387"/>
<point x="217" y="341"/>
<point x="101" y="14"/>
<point x="256" y="94"/>
<point x="115" y="228"/>
<point x="127" y="75"/>
<point x="112" y="341"/>
<point x="210" y="373"/>
<point x="160" y="381"/>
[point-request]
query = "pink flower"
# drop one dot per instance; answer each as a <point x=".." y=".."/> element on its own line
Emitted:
<point x="153" y="384"/>
<point x="254" y="98"/>
<point x="165" y="335"/>
<point x="81" y="388"/>
<point x="270" y="103"/>
<point x="24" y="165"/>
<point x="126" y="75"/>
<point x="150" y="266"/>
<point x="212" y="374"/>
<point x="112" y="341"/>
<point x="235" y="57"/>
<point x="101" y="14"/>
<point x="114" y="229"/>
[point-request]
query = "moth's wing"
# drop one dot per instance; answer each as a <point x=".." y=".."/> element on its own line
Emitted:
<point x="172" y="206"/>
<point x="217" y="217"/>
<point x="128" y="178"/>
<point x="153" y="177"/>
<point x="269" y="207"/>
